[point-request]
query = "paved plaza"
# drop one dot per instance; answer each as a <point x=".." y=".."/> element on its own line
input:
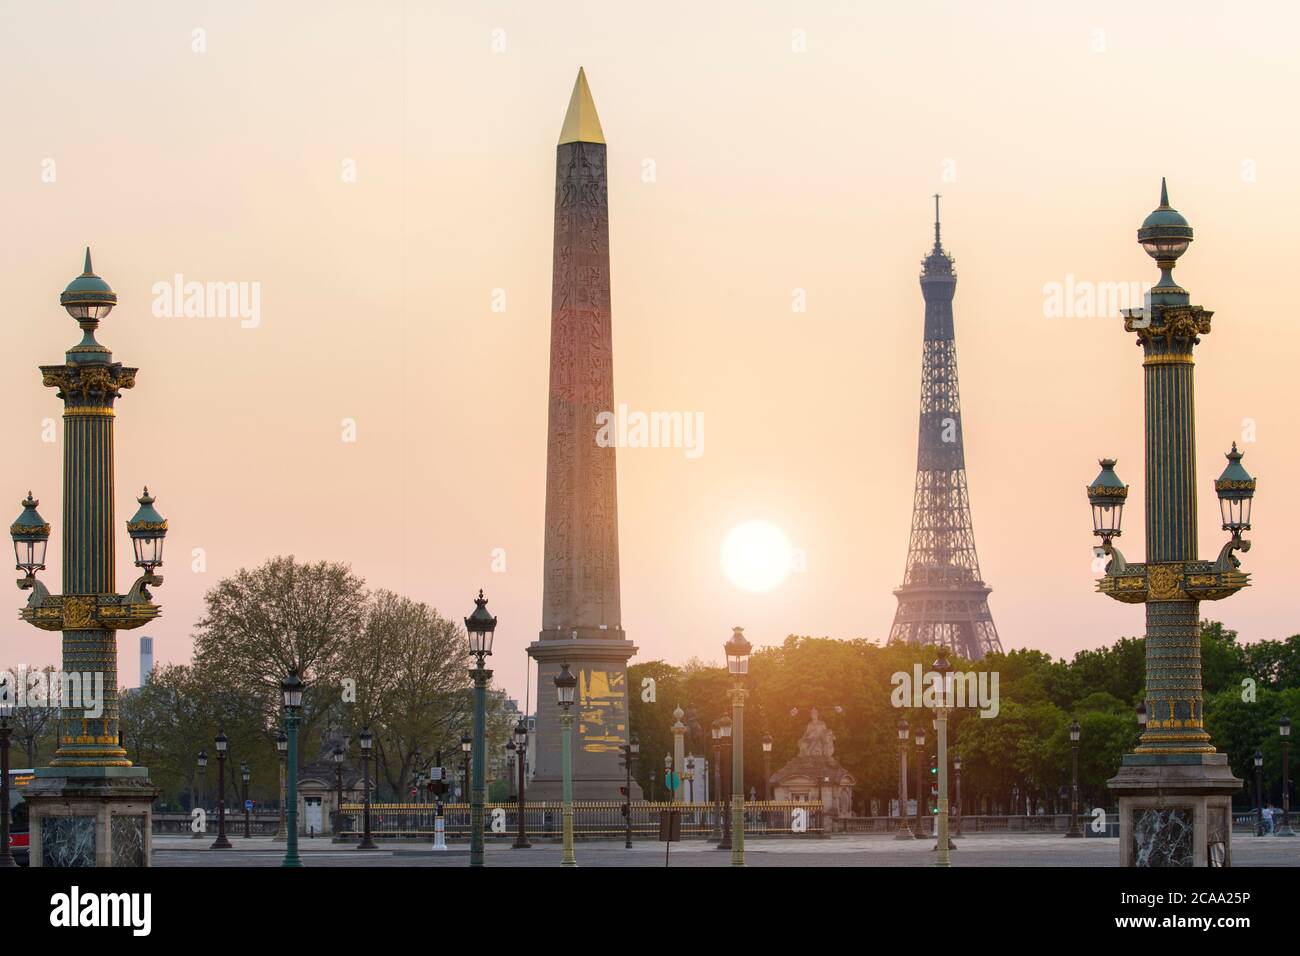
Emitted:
<point x="975" y="850"/>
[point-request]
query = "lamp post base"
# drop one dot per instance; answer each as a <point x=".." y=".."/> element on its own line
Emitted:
<point x="91" y="816"/>
<point x="1175" y="809"/>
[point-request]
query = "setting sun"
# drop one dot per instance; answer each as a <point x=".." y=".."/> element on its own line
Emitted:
<point x="756" y="556"/>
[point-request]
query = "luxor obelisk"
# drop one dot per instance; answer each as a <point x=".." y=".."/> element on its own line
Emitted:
<point x="581" y="621"/>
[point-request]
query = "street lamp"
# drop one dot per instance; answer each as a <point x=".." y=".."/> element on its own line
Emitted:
<point x="480" y="626"/>
<point x="31" y="535"/>
<point x="715" y="733"/>
<point x="943" y="668"/>
<point x="338" y="788"/>
<point x="919" y="738"/>
<point x="565" y="690"/>
<point x="767" y="768"/>
<point x="1259" y="792"/>
<point x="724" y="732"/>
<point x="737" y="649"/>
<point x="466" y="745"/>
<point x="904" y="831"/>
<point x="6" y="712"/>
<point x="281" y="748"/>
<point x="1175" y="765"/>
<point x="1074" y="830"/>
<point x="203" y="790"/>
<point x="689" y="777"/>
<point x="221" y="843"/>
<point x="244" y="773"/>
<point x="521" y="748"/>
<point x="956" y="766"/>
<point x="1284" y="731"/>
<point x="291" y="689"/>
<point x="367" y="741"/>
<point x="630" y="751"/>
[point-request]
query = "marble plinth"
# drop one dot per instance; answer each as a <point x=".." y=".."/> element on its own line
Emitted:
<point x="1175" y="810"/>
<point x="91" y="816"/>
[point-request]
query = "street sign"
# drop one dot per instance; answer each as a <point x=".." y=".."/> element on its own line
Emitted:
<point x="435" y="773"/>
<point x="248" y="804"/>
<point x="672" y="780"/>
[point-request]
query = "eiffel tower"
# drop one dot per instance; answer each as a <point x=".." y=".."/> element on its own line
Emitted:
<point x="943" y="600"/>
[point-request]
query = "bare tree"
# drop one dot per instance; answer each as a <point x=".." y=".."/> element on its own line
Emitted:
<point x="409" y="665"/>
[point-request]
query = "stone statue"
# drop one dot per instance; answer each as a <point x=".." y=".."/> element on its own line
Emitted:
<point x="817" y="739"/>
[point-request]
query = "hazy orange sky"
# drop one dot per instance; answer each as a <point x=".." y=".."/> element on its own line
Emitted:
<point x="1046" y="128"/>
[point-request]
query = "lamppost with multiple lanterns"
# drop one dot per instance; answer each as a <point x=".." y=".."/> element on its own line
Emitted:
<point x="291" y="690"/>
<point x="90" y="768"/>
<point x="566" y="685"/>
<point x="1175" y="781"/>
<point x="221" y="742"/>
<point x="737" y="650"/>
<point x="480" y="626"/>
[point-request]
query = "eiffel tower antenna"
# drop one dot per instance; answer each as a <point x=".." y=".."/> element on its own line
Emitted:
<point x="943" y="600"/>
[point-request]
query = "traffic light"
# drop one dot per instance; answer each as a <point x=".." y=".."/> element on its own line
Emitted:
<point x="624" y="809"/>
<point x="934" y="765"/>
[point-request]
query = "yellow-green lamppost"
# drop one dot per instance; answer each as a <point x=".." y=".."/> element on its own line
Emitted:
<point x="904" y="732"/>
<point x="943" y="668"/>
<point x="566" y="686"/>
<point x="97" y="803"/>
<point x="738" y="666"/>
<point x="1175" y="791"/>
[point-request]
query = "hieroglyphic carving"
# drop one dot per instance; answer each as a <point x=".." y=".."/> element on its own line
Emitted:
<point x="581" y="588"/>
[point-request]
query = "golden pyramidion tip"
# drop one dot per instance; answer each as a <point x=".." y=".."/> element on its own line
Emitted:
<point x="581" y="124"/>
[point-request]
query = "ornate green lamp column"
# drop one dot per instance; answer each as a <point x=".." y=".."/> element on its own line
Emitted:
<point x="90" y="806"/>
<point x="1175" y="791"/>
<point x="738" y="649"/>
<point x="480" y="626"/>
<point x="566" y="685"/>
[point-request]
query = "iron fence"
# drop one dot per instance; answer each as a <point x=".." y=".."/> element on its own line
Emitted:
<point x="591" y="820"/>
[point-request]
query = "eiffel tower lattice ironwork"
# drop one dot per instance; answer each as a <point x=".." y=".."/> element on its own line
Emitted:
<point x="943" y="600"/>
